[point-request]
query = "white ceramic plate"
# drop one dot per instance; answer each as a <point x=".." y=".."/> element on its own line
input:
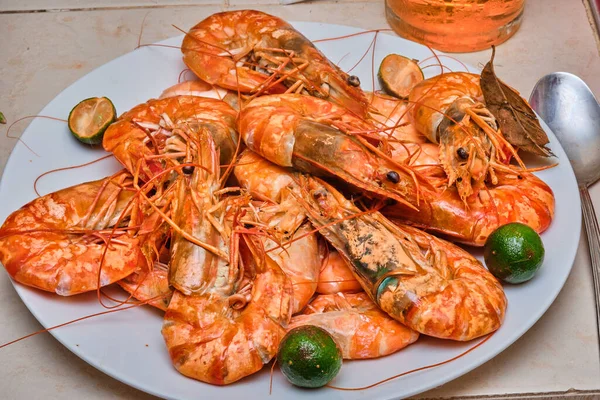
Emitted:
<point x="128" y="345"/>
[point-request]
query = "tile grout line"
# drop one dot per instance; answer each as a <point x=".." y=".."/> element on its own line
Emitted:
<point x="107" y="8"/>
<point x="573" y="394"/>
<point x="594" y="20"/>
<point x="222" y="3"/>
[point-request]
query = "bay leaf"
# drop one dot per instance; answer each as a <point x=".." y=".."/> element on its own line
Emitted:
<point x="515" y="117"/>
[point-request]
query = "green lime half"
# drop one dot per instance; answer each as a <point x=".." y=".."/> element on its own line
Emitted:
<point x="514" y="253"/>
<point x="309" y="357"/>
<point x="89" y="119"/>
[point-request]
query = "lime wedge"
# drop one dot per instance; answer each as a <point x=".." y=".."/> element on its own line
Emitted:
<point x="89" y="119"/>
<point x="398" y="75"/>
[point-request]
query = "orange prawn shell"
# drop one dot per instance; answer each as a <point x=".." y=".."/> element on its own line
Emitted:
<point x="427" y="284"/>
<point x="470" y="303"/>
<point x="210" y="341"/>
<point x="433" y="96"/>
<point x="215" y="47"/>
<point x="336" y="276"/>
<point x="520" y="198"/>
<point x="151" y="286"/>
<point x="205" y="53"/>
<point x="359" y="327"/>
<point x="300" y="262"/>
<point x="268" y="124"/>
<point x="49" y="258"/>
<point x="300" y="259"/>
<point x="262" y="178"/>
<point x="130" y="144"/>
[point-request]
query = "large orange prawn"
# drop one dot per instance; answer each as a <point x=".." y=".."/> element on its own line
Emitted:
<point x="314" y="136"/>
<point x="56" y="242"/>
<point x="155" y="135"/>
<point x="450" y="110"/>
<point x="256" y="53"/>
<point x="228" y="313"/>
<point x="285" y="221"/>
<point x="358" y="326"/>
<point x="514" y="195"/>
<point x="429" y="285"/>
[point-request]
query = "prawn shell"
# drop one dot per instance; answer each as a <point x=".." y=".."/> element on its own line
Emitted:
<point x="208" y="48"/>
<point x="357" y="325"/>
<point x="301" y="263"/>
<point x="428" y="284"/>
<point x="151" y="286"/>
<point x="224" y="48"/>
<point x="336" y="276"/>
<point x="36" y="250"/>
<point x="433" y="96"/>
<point x="524" y="198"/>
<point x="213" y="342"/>
<point x="130" y="142"/>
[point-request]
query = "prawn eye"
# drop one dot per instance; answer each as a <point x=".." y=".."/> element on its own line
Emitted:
<point x="462" y="153"/>
<point x="353" y="81"/>
<point x="188" y="169"/>
<point x="393" y="176"/>
<point x="319" y="194"/>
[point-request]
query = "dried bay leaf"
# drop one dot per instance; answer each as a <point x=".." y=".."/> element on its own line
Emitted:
<point x="515" y="117"/>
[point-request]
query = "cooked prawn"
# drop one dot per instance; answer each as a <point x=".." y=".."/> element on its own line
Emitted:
<point x="221" y="339"/>
<point x="58" y="242"/>
<point x="516" y="196"/>
<point x="336" y="276"/>
<point x="358" y="326"/>
<point x="314" y="136"/>
<point x="256" y="53"/>
<point x="155" y="135"/>
<point x="151" y="286"/>
<point x="426" y="283"/>
<point x="284" y="219"/>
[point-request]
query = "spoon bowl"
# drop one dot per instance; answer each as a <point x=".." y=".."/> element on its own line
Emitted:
<point x="570" y="109"/>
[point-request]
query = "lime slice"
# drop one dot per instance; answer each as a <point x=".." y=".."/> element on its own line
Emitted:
<point x="89" y="119"/>
<point x="398" y="75"/>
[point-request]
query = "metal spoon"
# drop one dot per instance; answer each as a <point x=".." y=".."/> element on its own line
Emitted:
<point x="570" y="109"/>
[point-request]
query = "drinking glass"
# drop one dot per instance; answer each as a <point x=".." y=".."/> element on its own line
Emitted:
<point x="455" y="25"/>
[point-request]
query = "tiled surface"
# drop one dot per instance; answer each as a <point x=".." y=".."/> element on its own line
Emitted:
<point x="20" y="5"/>
<point x="42" y="53"/>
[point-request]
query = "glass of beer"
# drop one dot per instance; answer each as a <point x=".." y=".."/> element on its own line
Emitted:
<point x="455" y="25"/>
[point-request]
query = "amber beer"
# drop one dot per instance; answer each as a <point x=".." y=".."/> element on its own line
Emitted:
<point x="455" y="25"/>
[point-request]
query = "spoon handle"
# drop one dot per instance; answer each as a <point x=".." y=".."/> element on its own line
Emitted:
<point x="593" y="236"/>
